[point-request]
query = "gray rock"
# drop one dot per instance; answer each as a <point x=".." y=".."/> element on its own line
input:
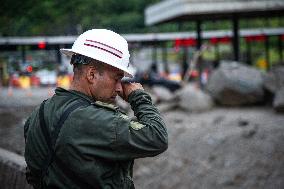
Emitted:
<point x="274" y="79"/>
<point x="236" y="84"/>
<point x="154" y="98"/>
<point x="12" y="170"/>
<point x="278" y="102"/>
<point x="162" y="94"/>
<point x="193" y="99"/>
<point x="167" y="106"/>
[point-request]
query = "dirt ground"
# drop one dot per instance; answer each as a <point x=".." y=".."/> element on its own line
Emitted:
<point x="222" y="148"/>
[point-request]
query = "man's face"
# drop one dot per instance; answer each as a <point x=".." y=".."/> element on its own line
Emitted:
<point x="108" y="84"/>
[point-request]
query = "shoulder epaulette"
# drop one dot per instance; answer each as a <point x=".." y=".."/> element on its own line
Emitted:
<point x="105" y="105"/>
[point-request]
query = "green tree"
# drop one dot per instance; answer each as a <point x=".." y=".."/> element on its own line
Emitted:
<point x="49" y="17"/>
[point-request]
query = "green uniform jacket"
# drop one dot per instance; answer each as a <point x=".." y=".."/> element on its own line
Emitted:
<point x="97" y="143"/>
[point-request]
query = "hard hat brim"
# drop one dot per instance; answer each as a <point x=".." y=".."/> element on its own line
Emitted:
<point x="128" y="72"/>
<point x="67" y="52"/>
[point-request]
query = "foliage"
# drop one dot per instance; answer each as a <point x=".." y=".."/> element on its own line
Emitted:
<point x="61" y="17"/>
<point x="49" y="17"/>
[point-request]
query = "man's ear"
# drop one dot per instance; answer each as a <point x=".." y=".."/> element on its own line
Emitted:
<point x="91" y="74"/>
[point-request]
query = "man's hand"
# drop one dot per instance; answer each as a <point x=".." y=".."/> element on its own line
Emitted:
<point x="128" y="88"/>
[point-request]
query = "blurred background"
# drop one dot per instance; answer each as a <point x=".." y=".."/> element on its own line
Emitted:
<point x="214" y="68"/>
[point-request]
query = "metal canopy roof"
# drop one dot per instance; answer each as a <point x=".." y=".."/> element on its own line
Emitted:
<point x="148" y="37"/>
<point x="173" y="10"/>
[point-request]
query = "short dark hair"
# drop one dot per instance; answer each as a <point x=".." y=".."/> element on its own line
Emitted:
<point x="79" y="61"/>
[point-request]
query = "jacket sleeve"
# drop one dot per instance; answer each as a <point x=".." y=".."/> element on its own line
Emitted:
<point x="142" y="138"/>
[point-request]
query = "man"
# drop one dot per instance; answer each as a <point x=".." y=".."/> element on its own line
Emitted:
<point x="78" y="138"/>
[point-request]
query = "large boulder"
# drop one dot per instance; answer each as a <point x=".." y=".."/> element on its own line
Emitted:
<point x="236" y="84"/>
<point x="274" y="79"/>
<point x="278" y="102"/>
<point x="192" y="99"/>
<point x="162" y="94"/>
<point x="12" y="171"/>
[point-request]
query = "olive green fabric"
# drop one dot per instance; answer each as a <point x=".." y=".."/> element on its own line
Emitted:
<point x="97" y="142"/>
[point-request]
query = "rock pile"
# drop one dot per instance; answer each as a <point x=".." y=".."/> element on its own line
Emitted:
<point x="189" y="99"/>
<point x="231" y="84"/>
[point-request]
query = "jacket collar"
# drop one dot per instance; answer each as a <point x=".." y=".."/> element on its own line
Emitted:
<point x="60" y="91"/>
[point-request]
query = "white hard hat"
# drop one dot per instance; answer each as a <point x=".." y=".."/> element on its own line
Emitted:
<point x="105" y="46"/>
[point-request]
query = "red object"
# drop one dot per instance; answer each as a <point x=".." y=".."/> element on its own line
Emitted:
<point x="177" y="42"/>
<point x="185" y="42"/>
<point x="282" y="37"/>
<point x="249" y="38"/>
<point x="41" y="45"/>
<point x="225" y="39"/>
<point x="194" y="74"/>
<point x="29" y="69"/>
<point x="216" y="40"/>
<point x="260" y="38"/>
<point x="257" y="38"/>
<point x="190" y="42"/>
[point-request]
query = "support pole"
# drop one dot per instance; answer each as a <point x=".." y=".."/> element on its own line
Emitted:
<point x="23" y="53"/>
<point x="249" y="60"/>
<point x="217" y="56"/>
<point x="165" y="58"/>
<point x="59" y="59"/>
<point x="184" y="61"/>
<point x="280" y="47"/>
<point x="236" y="43"/>
<point x="217" y="53"/>
<point x="154" y="58"/>
<point x="198" y="30"/>
<point x="267" y="47"/>
<point x="198" y="46"/>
